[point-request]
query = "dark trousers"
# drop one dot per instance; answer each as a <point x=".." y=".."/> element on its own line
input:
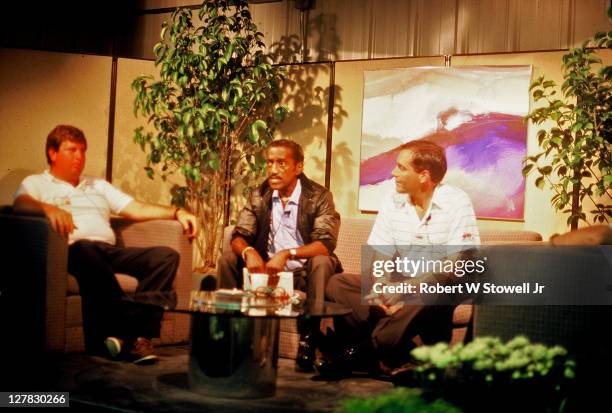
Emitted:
<point x="318" y="272"/>
<point x="107" y="310"/>
<point x="391" y="335"/>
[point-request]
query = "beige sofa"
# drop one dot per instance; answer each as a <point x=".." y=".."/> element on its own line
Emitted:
<point x="353" y="235"/>
<point x="44" y="299"/>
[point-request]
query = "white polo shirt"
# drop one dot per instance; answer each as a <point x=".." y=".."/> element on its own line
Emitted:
<point x="91" y="203"/>
<point x="450" y="220"/>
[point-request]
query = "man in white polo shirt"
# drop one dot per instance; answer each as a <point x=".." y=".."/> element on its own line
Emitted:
<point x="79" y="208"/>
<point x="420" y="212"/>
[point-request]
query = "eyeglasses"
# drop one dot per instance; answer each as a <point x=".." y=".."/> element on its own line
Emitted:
<point x="277" y="293"/>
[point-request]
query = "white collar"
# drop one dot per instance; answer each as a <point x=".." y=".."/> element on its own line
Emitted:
<point x="295" y="195"/>
<point x="403" y="200"/>
<point x="49" y="176"/>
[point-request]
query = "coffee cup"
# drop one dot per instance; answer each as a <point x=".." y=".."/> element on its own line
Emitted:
<point x="286" y="282"/>
<point x="258" y="280"/>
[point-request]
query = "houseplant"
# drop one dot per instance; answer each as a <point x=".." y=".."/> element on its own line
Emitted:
<point x="487" y="373"/>
<point x="396" y="401"/>
<point x="212" y="111"/>
<point x="576" y="138"/>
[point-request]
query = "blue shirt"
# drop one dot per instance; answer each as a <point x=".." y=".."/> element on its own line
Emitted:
<point x="284" y="233"/>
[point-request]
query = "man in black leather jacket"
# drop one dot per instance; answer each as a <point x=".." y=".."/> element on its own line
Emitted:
<point x="289" y="224"/>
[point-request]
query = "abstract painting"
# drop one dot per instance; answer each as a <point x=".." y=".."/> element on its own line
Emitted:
<point x="474" y="112"/>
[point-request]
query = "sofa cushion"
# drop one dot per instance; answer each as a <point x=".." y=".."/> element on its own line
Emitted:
<point x="127" y="282"/>
<point x="353" y="236"/>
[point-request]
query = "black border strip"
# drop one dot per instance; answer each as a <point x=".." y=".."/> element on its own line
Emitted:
<point x="111" y="121"/>
<point x="330" y="123"/>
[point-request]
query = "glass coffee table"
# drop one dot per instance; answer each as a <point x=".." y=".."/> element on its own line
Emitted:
<point x="234" y="340"/>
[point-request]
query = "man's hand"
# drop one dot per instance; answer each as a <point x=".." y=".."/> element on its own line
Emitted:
<point x="189" y="223"/>
<point x="254" y="262"/>
<point x="277" y="262"/>
<point x="60" y="219"/>
<point x="391" y="309"/>
<point x="389" y="302"/>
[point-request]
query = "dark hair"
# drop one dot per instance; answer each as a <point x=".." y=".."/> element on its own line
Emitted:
<point x="427" y="155"/>
<point x="63" y="133"/>
<point x="297" y="153"/>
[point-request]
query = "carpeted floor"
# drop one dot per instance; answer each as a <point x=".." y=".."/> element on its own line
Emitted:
<point x="97" y="384"/>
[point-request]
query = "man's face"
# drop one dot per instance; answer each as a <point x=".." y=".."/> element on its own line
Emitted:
<point x="407" y="180"/>
<point x="68" y="161"/>
<point x="281" y="169"/>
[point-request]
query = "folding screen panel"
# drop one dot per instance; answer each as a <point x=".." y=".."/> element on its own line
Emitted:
<point x="39" y="91"/>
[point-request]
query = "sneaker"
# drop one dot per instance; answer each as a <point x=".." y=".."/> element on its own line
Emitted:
<point x="142" y="352"/>
<point x="114" y="346"/>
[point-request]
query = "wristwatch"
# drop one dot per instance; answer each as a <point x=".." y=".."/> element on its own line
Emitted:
<point x="293" y="253"/>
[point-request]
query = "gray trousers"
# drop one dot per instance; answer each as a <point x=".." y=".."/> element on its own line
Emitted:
<point x="392" y="336"/>
<point x="318" y="271"/>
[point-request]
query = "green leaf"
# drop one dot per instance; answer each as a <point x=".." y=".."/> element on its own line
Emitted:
<point x="214" y="164"/>
<point x="254" y="130"/>
<point x="545" y="170"/>
<point x="149" y="172"/>
<point x="577" y="126"/>
<point x="539" y="182"/>
<point x="199" y="124"/>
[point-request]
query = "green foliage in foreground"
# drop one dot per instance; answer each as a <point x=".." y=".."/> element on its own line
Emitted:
<point x="400" y="400"/>
<point x="487" y="359"/>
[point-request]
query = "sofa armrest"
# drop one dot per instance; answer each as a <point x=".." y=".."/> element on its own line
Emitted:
<point x="491" y="237"/>
<point x="35" y="290"/>
<point x="160" y="233"/>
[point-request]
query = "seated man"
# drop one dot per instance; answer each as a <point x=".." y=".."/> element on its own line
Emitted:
<point x="289" y="224"/>
<point x="420" y="212"/>
<point x="79" y="208"/>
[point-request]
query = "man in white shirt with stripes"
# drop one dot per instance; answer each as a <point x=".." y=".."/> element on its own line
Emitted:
<point x="421" y="212"/>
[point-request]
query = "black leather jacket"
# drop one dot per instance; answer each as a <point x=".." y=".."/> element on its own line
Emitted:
<point x="318" y="219"/>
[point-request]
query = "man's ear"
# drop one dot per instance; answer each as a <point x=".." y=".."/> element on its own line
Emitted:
<point x="52" y="155"/>
<point x="299" y="167"/>
<point x="424" y="176"/>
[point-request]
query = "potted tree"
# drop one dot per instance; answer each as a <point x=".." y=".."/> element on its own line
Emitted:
<point x="576" y="156"/>
<point x="211" y="112"/>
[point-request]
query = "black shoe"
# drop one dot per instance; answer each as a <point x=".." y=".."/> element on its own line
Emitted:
<point x="304" y="362"/>
<point x="352" y="358"/>
<point x="332" y="369"/>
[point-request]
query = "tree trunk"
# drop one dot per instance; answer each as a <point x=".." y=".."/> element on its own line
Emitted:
<point x="575" y="199"/>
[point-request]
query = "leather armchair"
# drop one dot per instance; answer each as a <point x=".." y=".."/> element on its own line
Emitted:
<point x="40" y="300"/>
